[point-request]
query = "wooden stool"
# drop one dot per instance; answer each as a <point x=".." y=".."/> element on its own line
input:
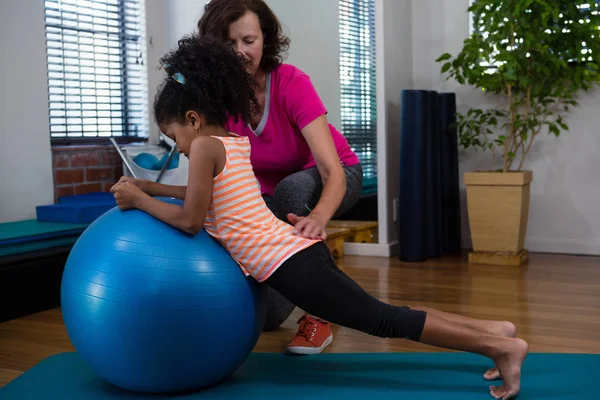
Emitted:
<point x="360" y="231"/>
<point x="335" y="240"/>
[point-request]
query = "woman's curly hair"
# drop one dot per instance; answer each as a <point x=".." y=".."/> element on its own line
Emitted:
<point x="220" y="14"/>
<point x="216" y="83"/>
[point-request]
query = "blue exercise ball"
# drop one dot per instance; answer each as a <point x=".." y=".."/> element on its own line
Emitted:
<point x="174" y="163"/>
<point x="152" y="309"/>
<point x="147" y="161"/>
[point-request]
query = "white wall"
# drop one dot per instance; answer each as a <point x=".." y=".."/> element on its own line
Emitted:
<point x="565" y="192"/>
<point x="313" y="28"/>
<point x="25" y="158"/>
<point x="394" y="66"/>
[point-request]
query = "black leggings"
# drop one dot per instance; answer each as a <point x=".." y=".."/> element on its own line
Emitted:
<point x="311" y="280"/>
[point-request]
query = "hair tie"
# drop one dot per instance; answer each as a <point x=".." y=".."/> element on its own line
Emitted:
<point x="178" y="76"/>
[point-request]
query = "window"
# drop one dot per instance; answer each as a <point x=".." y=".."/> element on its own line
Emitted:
<point x="97" y="85"/>
<point x="357" y="81"/>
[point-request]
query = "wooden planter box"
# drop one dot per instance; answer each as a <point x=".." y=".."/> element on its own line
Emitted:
<point x="498" y="206"/>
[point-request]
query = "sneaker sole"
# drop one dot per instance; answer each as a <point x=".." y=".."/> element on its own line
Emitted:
<point x="310" y="350"/>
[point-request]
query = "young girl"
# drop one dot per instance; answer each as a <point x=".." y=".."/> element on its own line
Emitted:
<point x="206" y="83"/>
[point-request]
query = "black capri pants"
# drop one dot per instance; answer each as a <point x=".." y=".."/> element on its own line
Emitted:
<point x="311" y="280"/>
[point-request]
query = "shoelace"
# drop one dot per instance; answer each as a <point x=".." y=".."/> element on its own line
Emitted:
<point x="307" y="329"/>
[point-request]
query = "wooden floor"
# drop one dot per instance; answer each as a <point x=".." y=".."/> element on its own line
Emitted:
<point x="554" y="302"/>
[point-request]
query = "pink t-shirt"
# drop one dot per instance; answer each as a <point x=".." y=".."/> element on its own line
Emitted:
<point x="278" y="147"/>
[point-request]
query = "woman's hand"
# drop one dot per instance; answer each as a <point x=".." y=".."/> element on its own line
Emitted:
<point x="126" y="193"/>
<point x="310" y="227"/>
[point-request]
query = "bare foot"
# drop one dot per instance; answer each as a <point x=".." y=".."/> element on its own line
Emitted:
<point x="505" y="329"/>
<point x="509" y="362"/>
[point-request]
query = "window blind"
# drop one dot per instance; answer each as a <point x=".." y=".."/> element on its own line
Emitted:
<point x="97" y="79"/>
<point x="357" y="81"/>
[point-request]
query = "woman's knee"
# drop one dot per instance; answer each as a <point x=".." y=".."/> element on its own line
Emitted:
<point x="298" y="193"/>
<point x="354" y="182"/>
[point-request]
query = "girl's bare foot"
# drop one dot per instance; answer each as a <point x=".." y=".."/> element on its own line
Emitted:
<point x="509" y="362"/>
<point x="507" y="354"/>
<point x="505" y="329"/>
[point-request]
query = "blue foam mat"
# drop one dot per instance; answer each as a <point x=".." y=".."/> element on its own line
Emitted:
<point x="422" y="376"/>
<point x="80" y="208"/>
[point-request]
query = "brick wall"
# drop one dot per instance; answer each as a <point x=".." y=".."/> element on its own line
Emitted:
<point x="85" y="169"/>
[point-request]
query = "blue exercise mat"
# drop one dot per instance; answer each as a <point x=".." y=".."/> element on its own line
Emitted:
<point x="422" y="376"/>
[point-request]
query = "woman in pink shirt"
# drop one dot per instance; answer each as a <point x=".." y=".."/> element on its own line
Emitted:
<point x="307" y="172"/>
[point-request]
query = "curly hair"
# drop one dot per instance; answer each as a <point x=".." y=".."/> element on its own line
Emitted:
<point x="216" y="83"/>
<point x="220" y="14"/>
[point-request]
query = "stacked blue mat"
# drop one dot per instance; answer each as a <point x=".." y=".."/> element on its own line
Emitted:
<point x="78" y="209"/>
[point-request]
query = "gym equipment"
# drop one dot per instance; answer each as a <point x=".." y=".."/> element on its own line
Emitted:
<point x="153" y="309"/>
<point x="381" y="376"/>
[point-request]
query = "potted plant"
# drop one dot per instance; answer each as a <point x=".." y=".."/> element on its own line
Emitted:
<point x="534" y="56"/>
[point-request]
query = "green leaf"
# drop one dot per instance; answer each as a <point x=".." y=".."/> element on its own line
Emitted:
<point x="446" y="67"/>
<point x="444" y="57"/>
<point x="592" y="65"/>
<point x="554" y="129"/>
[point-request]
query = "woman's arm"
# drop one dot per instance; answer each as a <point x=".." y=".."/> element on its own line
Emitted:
<point x="189" y="217"/>
<point x="305" y="108"/>
<point x="318" y="137"/>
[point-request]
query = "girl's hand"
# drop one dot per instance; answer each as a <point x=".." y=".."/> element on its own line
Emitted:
<point x="140" y="183"/>
<point x="310" y="227"/>
<point x="126" y="193"/>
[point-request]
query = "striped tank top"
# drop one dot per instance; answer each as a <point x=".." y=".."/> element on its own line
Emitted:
<point x="240" y="220"/>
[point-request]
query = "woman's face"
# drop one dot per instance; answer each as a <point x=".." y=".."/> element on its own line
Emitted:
<point x="246" y="38"/>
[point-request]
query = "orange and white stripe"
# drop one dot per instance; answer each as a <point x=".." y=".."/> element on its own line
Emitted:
<point x="241" y="221"/>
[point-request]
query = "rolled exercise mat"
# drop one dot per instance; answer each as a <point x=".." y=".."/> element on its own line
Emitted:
<point x="450" y="193"/>
<point x="432" y="180"/>
<point x="412" y="218"/>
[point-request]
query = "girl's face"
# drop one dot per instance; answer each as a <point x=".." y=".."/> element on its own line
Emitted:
<point x="246" y="38"/>
<point x="181" y="134"/>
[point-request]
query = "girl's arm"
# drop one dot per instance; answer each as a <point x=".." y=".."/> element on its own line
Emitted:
<point x="189" y="217"/>
<point x="160" y="189"/>
<point x="155" y="189"/>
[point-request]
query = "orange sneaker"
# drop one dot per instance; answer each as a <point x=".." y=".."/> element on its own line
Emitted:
<point x="312" y="337"/>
